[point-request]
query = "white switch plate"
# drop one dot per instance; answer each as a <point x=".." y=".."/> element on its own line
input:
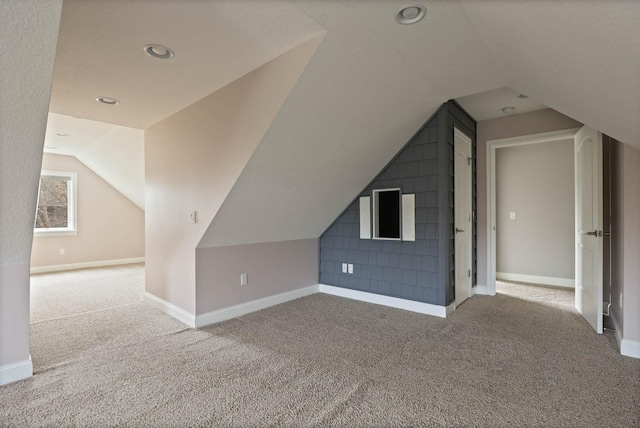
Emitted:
<point x="621" y="300"/>
<point x="512" y="215"/>
<point x="62" y="251"/>
<point x="344" y="268"/>
<point x="193" y="217"/>
<point x="243" y="279"/>
<point x="350" y="268"/>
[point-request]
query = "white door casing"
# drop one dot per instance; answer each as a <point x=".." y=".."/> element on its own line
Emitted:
<point x="463" y="216"/>
<point x="491" y="146"/>
<point x="589" y="243"/>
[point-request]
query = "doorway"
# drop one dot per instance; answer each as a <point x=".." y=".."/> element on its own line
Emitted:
<point x="587" y="283"/>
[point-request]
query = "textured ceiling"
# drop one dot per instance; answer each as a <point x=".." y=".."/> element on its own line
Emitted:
<point x="369" y="87"/>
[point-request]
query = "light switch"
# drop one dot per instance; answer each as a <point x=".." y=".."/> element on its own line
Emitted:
<point x="243" y="279"/>
<point x="512" y="215"/>
<point x="344" y="268"/>
<point x="350" y="268"/>
<point x="193" y="217"/>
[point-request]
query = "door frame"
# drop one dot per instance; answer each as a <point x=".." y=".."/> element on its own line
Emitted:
<point x="492" y="145"/>
<point x="458" y="135"/>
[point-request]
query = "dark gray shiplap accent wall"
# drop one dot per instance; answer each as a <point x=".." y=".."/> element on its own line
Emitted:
<point x="421" y="270"/>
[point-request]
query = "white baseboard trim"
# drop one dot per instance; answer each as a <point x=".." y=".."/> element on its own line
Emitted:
<point x="225" y="314"/>
<point x="532" y="279"/>
<point x="630" y="348"/>
<point x="170" y="309"/>
<point x="482" y="290"/>
<point x="394" y="302"/>
<point x="84" y="265"/>
<point x="617" y="332"/>
<point x="16" y="371"/>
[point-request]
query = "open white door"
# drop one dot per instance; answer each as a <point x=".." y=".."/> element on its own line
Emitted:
<point x="463" y="225"/>
<point x="588" y="182"/>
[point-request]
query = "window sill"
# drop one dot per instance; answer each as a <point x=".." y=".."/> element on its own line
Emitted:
<point x="41" y="233"/>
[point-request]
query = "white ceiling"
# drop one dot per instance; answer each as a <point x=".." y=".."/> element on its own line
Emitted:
<point x="489" y="104"/>
<point x="100" y="53"/>
<point x="369" y="87"/>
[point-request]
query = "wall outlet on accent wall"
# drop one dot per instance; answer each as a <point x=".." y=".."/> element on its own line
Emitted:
<point x="350" y="268"/>
<point x="344" y="268"/>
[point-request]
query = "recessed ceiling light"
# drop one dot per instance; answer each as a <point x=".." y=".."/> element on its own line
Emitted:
<point x="508" y="110"/>
<point x="523" y="96"/>
<point x="108" y="100"/>
<point x="62" y="134"/>
<point x="158" y="51"/>
<point x="410" y="14"/>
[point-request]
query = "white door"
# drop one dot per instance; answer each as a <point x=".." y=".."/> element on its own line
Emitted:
<point x="588" y="182"/>
<point x="463" y="224"/>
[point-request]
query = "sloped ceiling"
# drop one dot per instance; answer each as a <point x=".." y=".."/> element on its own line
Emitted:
<point x="373" y="82"/>
<point x="100" y="53"/>
<point x="369" y="87"/>
<point x="114" y="152"/>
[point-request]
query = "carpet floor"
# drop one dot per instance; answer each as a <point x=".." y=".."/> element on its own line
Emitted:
<point x="525" y="357"/>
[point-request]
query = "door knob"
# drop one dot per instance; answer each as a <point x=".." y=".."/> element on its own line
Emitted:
<point x="459" y="230"/>
<point x="594" y="233"/>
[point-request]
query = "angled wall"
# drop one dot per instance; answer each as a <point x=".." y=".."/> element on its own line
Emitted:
<point x="420" y="270"/>
<point x="110" y="226"/>
<point x="25" y="86"/>
<point x="193" y="159"/>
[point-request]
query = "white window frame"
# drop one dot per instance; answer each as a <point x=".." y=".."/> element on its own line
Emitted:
<point x="72" y="206"/>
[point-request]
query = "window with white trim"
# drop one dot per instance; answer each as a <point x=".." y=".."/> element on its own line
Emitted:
<point x="56" y="212"/>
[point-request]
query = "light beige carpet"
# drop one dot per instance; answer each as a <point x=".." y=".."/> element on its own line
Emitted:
<point x="517" y="359"/>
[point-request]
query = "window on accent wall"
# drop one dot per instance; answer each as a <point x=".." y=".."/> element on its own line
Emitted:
<point x="56" y="211"/>
<point x="386" y="214"/>
<point x="394" y="215"/>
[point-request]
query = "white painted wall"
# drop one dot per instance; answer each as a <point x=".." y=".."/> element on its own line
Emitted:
<point x="193" y="159"/>
<point x="536" y="182"/>
<point x="117" y="156"/>
<point x="26" y="69"/>
<point x="110" y="226"/>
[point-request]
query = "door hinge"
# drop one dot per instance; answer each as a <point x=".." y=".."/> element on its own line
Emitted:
<point x="469" y="273"/>
<point x="468" y="161"/>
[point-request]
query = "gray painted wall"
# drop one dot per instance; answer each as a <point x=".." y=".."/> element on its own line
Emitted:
<point x="421" y="270"/>
<point x="272" y="268"/>
<point x="536" y="182"/>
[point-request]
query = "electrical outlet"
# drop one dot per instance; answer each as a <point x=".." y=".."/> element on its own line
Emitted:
<point x="620" y="300"/>
<point x="244" y="279"/>
<point x="344" y="268"/>
<point x="350" y="268"/>
<point x="62" y="251"/>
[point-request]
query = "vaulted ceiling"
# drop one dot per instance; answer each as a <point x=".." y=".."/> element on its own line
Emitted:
<point x="370" y="85"/>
